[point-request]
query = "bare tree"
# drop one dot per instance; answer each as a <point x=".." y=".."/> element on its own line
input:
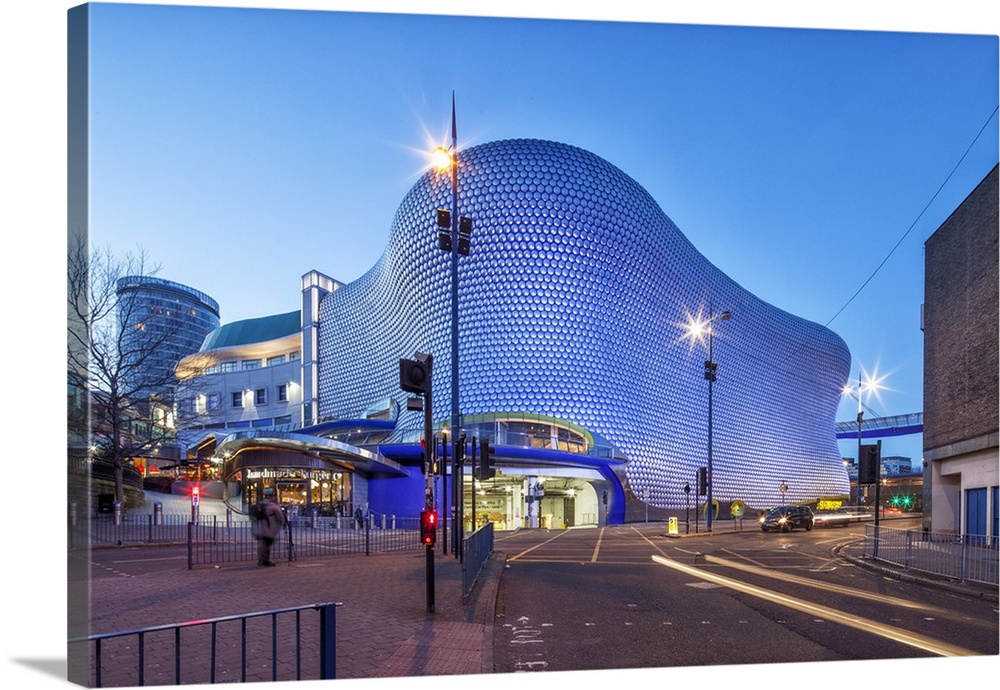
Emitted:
<point x="113" y="341"/>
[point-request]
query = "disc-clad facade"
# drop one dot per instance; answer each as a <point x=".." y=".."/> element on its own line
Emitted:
<point x="574" y="304"/>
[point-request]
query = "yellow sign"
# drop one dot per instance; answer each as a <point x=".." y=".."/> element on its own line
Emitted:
<point x="736" y="509"/>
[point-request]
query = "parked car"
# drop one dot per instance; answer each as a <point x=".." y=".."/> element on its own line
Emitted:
<point x="787" y="518"/>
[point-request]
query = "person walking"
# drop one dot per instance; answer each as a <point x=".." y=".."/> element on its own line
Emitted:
<point x="267" y="526"/>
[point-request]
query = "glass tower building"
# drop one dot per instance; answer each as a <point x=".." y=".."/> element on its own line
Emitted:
<point x="163" y="322"/>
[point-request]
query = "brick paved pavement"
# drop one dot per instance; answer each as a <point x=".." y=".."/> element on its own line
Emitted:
<point x="383" y="626"/>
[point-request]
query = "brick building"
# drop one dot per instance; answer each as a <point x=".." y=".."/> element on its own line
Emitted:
<point x="960" y="325"/>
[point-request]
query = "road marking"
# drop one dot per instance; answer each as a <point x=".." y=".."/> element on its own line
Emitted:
<point x="887" y="631"/>
<point x="597" y="547"/>
<point x="536" y="546"/>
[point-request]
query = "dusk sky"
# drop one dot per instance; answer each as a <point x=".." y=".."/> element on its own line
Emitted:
<point x="241" y="148"/>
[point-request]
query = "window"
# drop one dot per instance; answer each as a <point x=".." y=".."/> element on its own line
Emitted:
<point x="228" y="366"/>
<point x="260" y="396"/>
<point x="273" y="361"/>
<point x="213" y="401"/>
<point x="238" y="399"/>
<point x="294" y="355"/>
<point x="283" y="392"/>
<point x="251" y="364"/>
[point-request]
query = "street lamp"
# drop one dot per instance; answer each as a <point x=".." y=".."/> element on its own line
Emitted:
<point x="698" y="329"/>
<point x="454" y="235"/>
<point x="872" y="384"/>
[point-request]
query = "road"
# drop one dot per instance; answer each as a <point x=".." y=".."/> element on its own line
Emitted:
<point x="632" y="597"/>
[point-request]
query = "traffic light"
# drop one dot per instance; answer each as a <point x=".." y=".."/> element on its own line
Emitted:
<point x="710" y="369"/>
<point x="415" y="376"/>
<point x="868" y="464"/>
<point x="702" y="481"/>
<point x="464" y="235"/>
<point x="428" y="527"/>
<point x="486" y="470"/>
<point x="444" y="229"/>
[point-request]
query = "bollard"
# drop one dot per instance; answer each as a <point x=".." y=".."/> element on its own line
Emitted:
<point x="672" y="525"/>
<point x="394" y="522"/>
<point x="117" y="507"/>
<point x="157" y="513"/>
<point x="72" y="513"/>
<point x="229" y="518"/>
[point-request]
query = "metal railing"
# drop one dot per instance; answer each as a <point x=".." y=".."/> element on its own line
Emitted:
<point x="215" y="542"/>
<point x="477" y="549"/>
<point x="253" y="643"/>
<point x="961" y="557"/>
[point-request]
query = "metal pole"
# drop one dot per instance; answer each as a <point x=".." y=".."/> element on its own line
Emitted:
<point x="861" y="415"/>
<point x="711" y="377"/>
<point x="473" y="483"/>
<point x="454" y="309"/>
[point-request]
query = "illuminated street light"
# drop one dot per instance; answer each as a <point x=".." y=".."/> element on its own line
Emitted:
<point x="871" y="384"/>
<point x="445" y="159"/>
<point x="697" y="329"/>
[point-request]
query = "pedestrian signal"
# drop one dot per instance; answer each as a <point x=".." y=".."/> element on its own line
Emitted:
<point x="428" y="527"/>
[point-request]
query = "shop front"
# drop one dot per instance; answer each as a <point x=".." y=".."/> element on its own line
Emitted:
<point x="309" y="491"/>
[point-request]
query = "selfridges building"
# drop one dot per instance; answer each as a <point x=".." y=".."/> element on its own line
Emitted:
<point x="575" y="304"/>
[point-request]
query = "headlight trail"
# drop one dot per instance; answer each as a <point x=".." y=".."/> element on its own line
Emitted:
<point x="887" y="631"/>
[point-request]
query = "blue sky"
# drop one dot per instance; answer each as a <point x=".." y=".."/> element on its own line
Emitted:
<point x="794" y="160"/>
<point x="241" y="148"/>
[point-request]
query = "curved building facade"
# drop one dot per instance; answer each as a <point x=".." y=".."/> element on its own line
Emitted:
<point x="575" y="304"/>
<point x="168" y="319"/>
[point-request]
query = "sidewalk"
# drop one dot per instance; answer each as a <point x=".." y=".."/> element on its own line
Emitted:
<point x="383" y="626"/>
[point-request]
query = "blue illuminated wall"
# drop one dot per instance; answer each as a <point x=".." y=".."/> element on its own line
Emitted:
<point x="573" y="304"/>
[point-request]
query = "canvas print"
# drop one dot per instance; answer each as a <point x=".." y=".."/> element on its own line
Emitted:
<point x="415" y="346"/>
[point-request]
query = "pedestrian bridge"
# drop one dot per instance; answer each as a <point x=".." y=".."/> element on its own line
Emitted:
<point x="882" y="427"/>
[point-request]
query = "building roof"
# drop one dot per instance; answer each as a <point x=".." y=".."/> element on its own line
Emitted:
<point x="249" y="331"/>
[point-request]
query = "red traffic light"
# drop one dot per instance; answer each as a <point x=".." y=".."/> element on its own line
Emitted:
<point x="428" y="527"/>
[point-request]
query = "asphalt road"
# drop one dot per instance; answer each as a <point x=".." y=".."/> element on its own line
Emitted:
<point x="632" y="597"/>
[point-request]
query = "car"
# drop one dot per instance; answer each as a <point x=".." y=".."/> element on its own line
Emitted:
<point x="787" y="518"/>
<point x="837" y="516"/>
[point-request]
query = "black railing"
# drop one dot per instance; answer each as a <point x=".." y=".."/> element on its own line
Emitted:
<point x="215" y="542"/>
<point x="478" y="547"/>
<point x="251" y="643"/>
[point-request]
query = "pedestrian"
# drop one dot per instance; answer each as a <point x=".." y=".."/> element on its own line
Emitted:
<point x="359" y="517"/>
<point x="267" y="525"/>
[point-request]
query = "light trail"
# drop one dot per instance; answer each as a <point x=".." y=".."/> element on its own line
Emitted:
<point x="887" y="631"/>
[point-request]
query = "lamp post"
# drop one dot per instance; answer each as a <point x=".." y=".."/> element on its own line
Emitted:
<point x="454" y="237"/>
<point x="697" y="329"/>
